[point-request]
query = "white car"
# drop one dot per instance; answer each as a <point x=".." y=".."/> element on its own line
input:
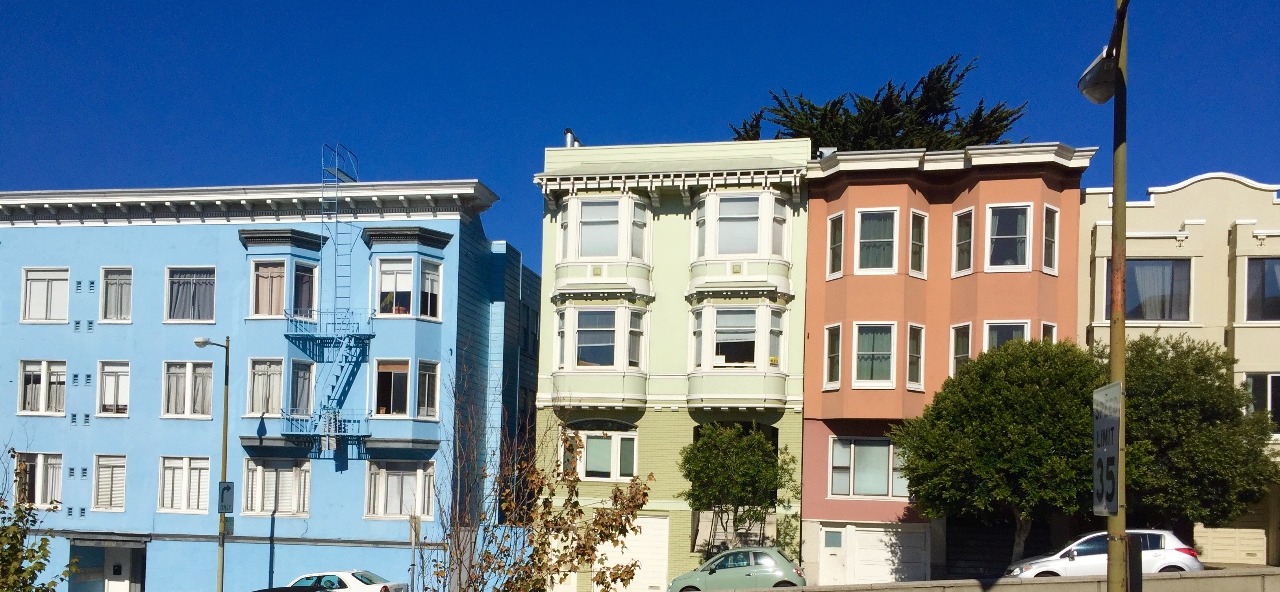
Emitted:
<point x="1087" y="556"/>
<point x="353" y="581"/>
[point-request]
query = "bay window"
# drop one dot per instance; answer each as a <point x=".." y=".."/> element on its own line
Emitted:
<point x="1263" y="297"/>
<point x="1155" y="289"/>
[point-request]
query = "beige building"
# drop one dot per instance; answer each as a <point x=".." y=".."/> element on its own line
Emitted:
<point x="1203" y="259"/>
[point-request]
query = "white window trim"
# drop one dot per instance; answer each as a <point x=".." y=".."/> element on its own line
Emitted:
<point x="1047" y="325"/>
<point x="287" y="396"/>
<point x="285" y="285"/>
<point x="298" y="499"/>
<point x="167" y="279"/>
<point x="417" y="295"/>
<point x="376" y="296"/>
<point x="284" y="394"/>
<point x="858" y="269"/>
<point x="831" y="451"/>
<point x="923" y="273"/>
<point x="93" y="506"/>
<point x="951" y="347"/>
<point x="955" y="242"/>
<point x="893" y="357"/>
<point x="190" y="390"/>
<point x="185" y="486"/>
<point x="44" y="388"/>
<point x="763" y="329"/>
<point x="22" y="291"/>
<point x="40" y="472"/>
<point x="827" y="383"/>
<point x="987" y="267"/>
<point x="986" y="330"/>
<point x="615" y="455"/>
<point x="102" y="295"/>
<point x="844" y="245"/>
<point x="409" y="395"/>
<point x="292" y="286"/>
<point x="433" y="412"/>
<point x="98" y="400"/>
<point x="906" y="367"/>
<point x="1057" y="233"/>
<point x="424" y="491"/>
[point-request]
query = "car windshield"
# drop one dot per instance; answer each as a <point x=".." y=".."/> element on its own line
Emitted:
<point x="368" y="577"/>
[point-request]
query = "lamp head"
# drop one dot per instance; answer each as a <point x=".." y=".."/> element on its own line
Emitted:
<point x="202" y="341"/>
<point x="1098" y="83"/>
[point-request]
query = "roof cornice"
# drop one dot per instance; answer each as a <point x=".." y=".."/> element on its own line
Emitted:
<point x="952" y="160"/>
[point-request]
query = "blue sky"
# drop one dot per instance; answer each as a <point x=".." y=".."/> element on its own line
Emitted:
<point x="147" y="94"/>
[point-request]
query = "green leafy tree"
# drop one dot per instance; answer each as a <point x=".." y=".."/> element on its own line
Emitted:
<point x="1008" y="436"/>
<point x="23" y="556"/>
<point x="1192" y="455"/>
<point x="740" y="477"/>
<point x="923" y="115"/>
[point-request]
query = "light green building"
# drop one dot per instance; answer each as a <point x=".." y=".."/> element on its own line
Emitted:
<point x="673" y="297"/>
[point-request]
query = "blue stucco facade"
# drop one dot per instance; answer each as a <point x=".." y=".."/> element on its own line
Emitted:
<point x="91" y="386"/>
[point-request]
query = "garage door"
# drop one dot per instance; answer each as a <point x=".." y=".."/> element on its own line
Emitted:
<point x="873" y="553"/>
<point x="649" y="549"/>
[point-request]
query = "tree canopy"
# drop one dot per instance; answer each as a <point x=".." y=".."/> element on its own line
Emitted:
<point x="923" y="115"/>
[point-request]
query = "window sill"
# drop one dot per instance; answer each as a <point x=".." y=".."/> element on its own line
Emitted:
<point x="188" y="417"/>
<point x="44" y="322"/>
<point x="872" y="385"/>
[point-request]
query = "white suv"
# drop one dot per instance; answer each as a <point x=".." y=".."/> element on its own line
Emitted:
<point x="1087" y="556"/>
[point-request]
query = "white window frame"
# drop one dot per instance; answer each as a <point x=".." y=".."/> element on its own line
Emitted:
<point x="97" y="505"/>
<point x="986" y="330"/>
<point x="49" y="318"/>
<point x="835" y="265"/>
<point x="409" y="394"/>
<point x="288" y="407"/>
<point x="432" y="411"/>
<point x="1045" y="238"/>
<point x="102" y="297"/>
<point x="917" y="385"/>
<point x="829" y="382"/>
<point x="923" y="272"/>
<point x="183" y="489"/>
<point x="1052" y="329"/>
<point x="102" y="386"/>
<point x="956" y="271"/>
<point x="893" y="357"/>
<point x="168" y="270"/>
<point x="252" y="409"/>
<point x="423" y="491"/>
<point x="423" y="264"/>
<point x="858" y="268"/>
<point x="189" y="389"/>
<point x="42" y="407"/>
<point x="293" y="290"/>
<point x="1029" y="256"/>
<point x="378" y="291"/>
<point x="853" y="444"/>
<point x="615" y="454"/>
<point x="952" y="346"/>
<point x="44" y="497"/>
<point x="253" y="502"/>
<point x="286" y="279"/>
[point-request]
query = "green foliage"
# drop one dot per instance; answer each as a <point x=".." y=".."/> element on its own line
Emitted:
<point x="738" y="476"/>
<point x="1192" y="455"/>
<point x="923" y="115"/>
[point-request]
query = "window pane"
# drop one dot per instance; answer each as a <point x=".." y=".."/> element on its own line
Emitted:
<point x="599" y="456"/>
<point x="1264" y="289"/>
<point x="1008" y="236"/>
<point x="871" y="467"/>
<point x="875" y="240"/>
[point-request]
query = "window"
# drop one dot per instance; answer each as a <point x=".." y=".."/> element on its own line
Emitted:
<point x="874" y="357"/>
<point x="876" y="233"/>
<point x="108" y="484"/>
<point x="735" y="338"/>
<point x="598" y="234"/>
<point x="915" y="357"/>
<point x="117" y="295"/>
<point x="304" y="291"/>
<point x="835" y="246"/>
<point x="1264" y="290"/>
<point x="44" y="294"/>
<point x="399" y="489"/>
<point x="429" y="301"/>
<point x="1050" y="239"/>
<point x="188" y="388"/>
<point x="113" y="388"/>
<point x="276" y="486"/>
<point x="190" y="294"/>
<point x="268" y="288"/>
<point x="737" y="226"/>
<point x="963" y="231"/>
<point x="634" y="339"/>
<point x="395" y="284"/>
<point x="1007" y="237"/>
<point x="1265" y="388"/>
<point x="302" y="387"/>
<point x="608" y="455"/>
<point x="44" y="387"/>
<point x="428" y="389"/>
<point x="866" y="466"/>
<point x="1048" y="332"/>
<point x="960" y="347"/>
<point x="393" y="388"/>
<point x="266" y="386"/>
<point x="184" y="484"/>
<point x="639" y="222"/>
<point x="1155" y="289"/>
<point x="831" y="349"/>
<point x="999" y="334"/>
<point x="919" y="229"/>
<point x="595" y="338"/>
<point x="38" y="478"/>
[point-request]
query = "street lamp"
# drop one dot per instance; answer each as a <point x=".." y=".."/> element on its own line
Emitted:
<point x="1107" y="77"/>
<point x="203" y="342"/>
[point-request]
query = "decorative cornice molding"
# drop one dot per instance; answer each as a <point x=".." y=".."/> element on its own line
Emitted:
<point x="388" y="235"/>
<point x="281" y="237"/>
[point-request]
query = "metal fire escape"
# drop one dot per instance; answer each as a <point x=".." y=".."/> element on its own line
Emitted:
<point x="336" y="335"/>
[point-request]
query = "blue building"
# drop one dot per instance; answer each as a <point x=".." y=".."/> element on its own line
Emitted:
<point x="374" y="332"/>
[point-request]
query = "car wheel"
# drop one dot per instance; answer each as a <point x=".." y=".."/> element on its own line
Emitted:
<point x="784" y="584"/>
<point x="1046" y="574"/>
<point x="1171" y="569"/>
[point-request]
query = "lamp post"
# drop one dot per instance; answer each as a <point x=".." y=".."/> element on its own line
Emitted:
<point x="202" y="342"/>
<point x="1105" y="78"/>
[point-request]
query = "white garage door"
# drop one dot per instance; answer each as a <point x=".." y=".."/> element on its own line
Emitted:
<point x="873" y="553"/>
<point x="649" y="548"/>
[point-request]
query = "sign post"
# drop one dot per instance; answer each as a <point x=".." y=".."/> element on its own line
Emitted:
<point x="1106" y="450"/>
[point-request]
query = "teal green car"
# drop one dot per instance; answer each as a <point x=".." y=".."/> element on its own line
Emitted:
<point x="745" y="568"/>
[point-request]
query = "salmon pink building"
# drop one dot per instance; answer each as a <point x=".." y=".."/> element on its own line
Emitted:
<point x="918" y="261"/>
